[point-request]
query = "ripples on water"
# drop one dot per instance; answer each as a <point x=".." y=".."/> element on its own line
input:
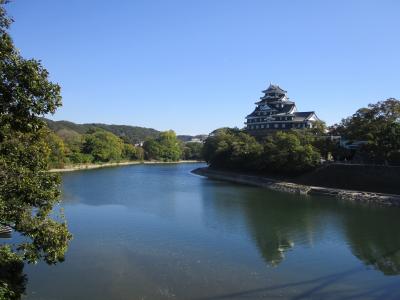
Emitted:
<point x="158" y="232"/>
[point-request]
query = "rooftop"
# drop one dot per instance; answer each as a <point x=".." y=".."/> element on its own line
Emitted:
<point x="274" y="89"/>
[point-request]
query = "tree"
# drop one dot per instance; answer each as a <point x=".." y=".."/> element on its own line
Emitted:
<point x="170" y="149"/>
<point x="103" y="146"/>
<point x="131" y="152"/>
<point x="57" y="156"/>
<point x="152" y="149"/>
<point x="232" y="148"/>
<point x="192" y="150"/>
<point x="318" y="136"/>
<point x="289" y="152"/>
<point x="165" y="147"/>
<point x="319" y="128"/>
<point x="378" y="125"/>
<point x="283" y="152"/>
<point x="27" y="192"/>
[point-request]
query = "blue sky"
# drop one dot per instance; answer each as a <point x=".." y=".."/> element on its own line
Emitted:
<point x="194" y="66"/>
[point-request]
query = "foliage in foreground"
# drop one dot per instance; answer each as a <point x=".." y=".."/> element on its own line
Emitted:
<point x="13" y="280"/>
<point x="27" y="192"/>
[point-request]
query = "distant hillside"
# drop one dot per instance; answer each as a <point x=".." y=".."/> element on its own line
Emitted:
<point x="131" y="134"/>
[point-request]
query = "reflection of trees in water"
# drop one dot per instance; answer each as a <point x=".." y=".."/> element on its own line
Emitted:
<point x="273" y="248"/>
<point x="281" y="221"/>
<point x="278" y="222"/>
<point x="275" y="223"/>
<point x="374" y="237"/>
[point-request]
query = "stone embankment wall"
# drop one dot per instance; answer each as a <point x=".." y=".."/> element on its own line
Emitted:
<point x="370" y="178"/>
<point x="351" y="195"/>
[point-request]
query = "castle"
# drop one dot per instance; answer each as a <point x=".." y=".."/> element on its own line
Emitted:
<point x="275" y="111"/>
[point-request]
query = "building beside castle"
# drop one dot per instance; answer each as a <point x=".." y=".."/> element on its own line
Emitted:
<point x="275" y="111"/>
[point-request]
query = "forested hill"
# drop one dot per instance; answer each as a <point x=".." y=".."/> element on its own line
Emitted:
<point x="130" y="134"/>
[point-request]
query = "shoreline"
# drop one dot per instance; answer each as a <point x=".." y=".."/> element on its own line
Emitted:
<point x="289" y="187"/>
<point x="80" y="167"/>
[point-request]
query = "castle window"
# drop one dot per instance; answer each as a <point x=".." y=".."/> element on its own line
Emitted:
<point x="283" y="126"/>
<point x="276" y="125"/>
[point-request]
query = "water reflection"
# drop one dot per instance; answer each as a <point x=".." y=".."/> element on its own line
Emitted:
<point x="277" y="222"/>
<point x="374" y="237"/>
<point x="281" y="222"/>
<point x="155" y="232"/>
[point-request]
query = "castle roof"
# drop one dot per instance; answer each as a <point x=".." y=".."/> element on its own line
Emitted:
<point x="304" y="115"/>
<point x="274" y="89"/>
<point x="275" y="106"/>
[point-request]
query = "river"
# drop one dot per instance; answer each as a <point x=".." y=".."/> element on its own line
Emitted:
<point x="159" y="232"/>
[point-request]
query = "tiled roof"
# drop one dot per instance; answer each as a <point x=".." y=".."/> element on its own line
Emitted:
<point x="288" y="108"/>
<point x="274" y="89"/>
<point x="279" y="107"/>
<point x="304" y="114"/>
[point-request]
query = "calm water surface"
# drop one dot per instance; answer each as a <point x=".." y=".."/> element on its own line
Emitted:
<point x="158" y="232"/>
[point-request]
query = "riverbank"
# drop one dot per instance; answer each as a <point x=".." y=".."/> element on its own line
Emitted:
<point x="80" y="167"/>
<point x="280" y="185"/>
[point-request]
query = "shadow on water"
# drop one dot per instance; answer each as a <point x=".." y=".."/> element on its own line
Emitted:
<point x="315" y="289"/>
